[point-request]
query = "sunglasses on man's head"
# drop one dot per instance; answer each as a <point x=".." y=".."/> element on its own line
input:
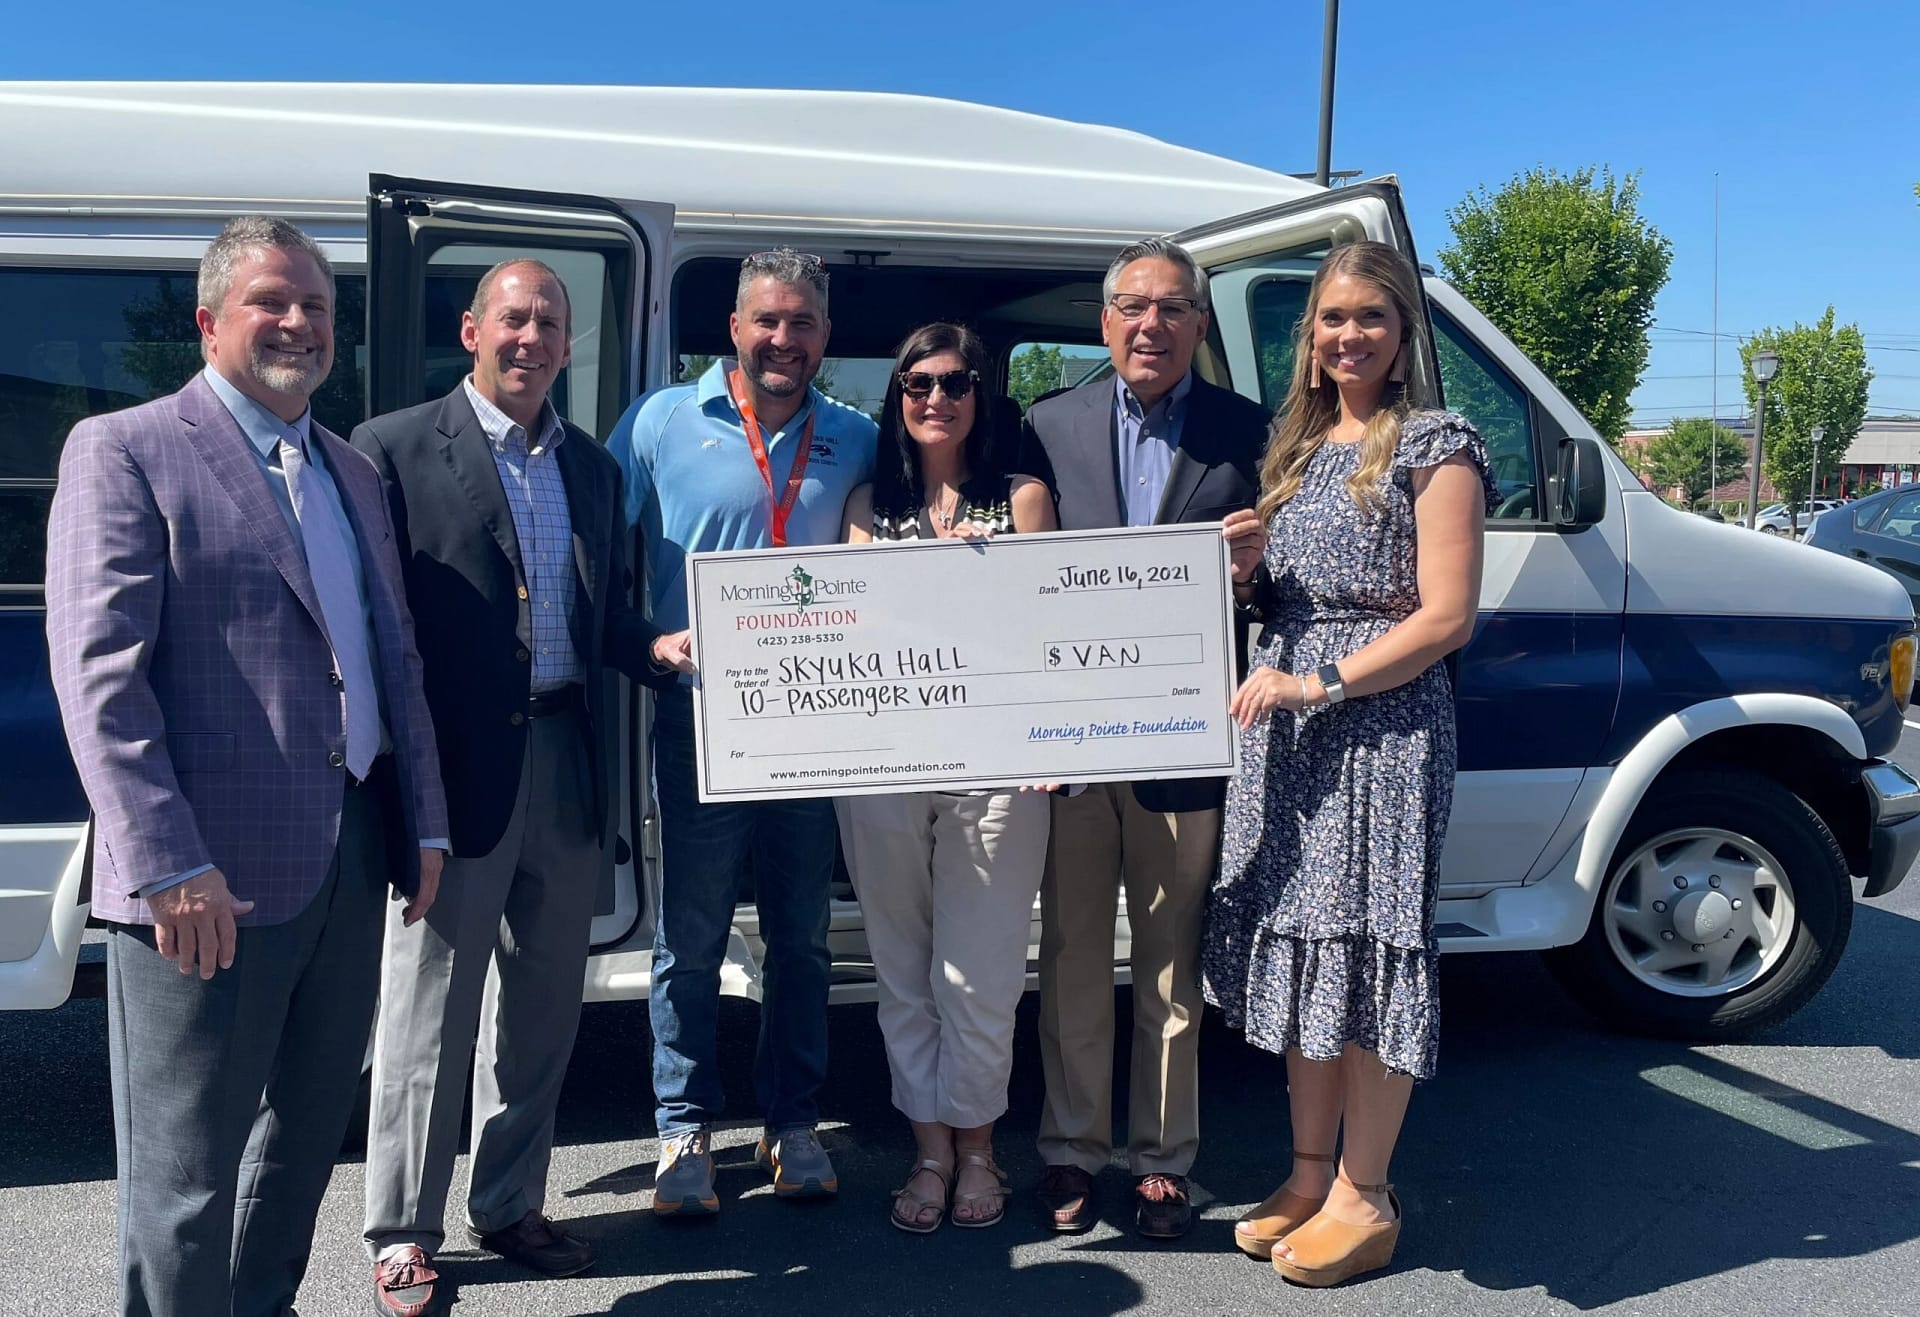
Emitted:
<point x="807" y="260"/>
<point x="956" y="384"/>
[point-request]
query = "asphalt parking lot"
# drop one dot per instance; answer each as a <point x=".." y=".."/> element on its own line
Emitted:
<point x="1552" y="1167"/>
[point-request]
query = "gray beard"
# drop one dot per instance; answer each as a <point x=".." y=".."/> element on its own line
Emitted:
<point x="285" y="376"/>
<point x="786" y="389"/>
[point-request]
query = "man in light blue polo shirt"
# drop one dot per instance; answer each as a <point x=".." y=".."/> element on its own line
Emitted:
<point x="749" y="457"/>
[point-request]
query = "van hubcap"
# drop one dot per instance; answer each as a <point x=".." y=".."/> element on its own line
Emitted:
<point x="1699" y="912"/>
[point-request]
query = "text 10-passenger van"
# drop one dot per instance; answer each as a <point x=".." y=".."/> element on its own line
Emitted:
<point x="1672" y="731"/>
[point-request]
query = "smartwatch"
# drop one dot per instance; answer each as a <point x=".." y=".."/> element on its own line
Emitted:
<point x="1328" y="675"/>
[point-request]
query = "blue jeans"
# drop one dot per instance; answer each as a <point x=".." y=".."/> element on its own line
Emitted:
<point x="788" y="846"/>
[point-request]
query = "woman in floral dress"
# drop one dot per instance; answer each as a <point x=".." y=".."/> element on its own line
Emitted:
<point x="1320" y="928"/>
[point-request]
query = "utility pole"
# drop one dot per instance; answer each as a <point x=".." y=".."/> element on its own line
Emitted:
<point x="1713" y="432"/>
<point x="1323" y="174"/>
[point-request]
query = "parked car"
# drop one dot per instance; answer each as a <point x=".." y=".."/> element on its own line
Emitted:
<point x="1883" y="529"/>
<point x="1782" y="520"/>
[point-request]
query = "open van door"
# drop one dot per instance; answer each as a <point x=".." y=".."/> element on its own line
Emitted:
<point x="427" y="246"/>
<point x="1549" y="602"/>
<point x="1260" y="264"/>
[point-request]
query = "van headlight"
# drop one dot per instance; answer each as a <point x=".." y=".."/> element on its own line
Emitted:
<point x="1900" y="668"/>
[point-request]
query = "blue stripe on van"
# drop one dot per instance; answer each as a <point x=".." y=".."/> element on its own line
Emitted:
<point x="1669" y="662"/>
<point x="37" y="781"/>
<point x="1537" y="690"/>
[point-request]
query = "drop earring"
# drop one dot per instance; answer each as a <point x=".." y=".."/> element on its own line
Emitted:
<point x="1316" y="372"/>
<point x="1398" y="374"/>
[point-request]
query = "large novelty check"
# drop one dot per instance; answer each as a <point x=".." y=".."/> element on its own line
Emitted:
<point x="943" y="665"/>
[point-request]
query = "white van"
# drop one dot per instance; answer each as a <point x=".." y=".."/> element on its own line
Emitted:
<point x="1667" y="785"/>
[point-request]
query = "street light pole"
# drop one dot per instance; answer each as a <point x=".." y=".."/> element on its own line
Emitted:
<point x="1764" y="366"/>
<point x="1813" y="485"/>
<point x="1323" y="174"/>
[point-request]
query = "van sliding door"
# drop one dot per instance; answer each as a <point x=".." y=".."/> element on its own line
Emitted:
<point x="427" y="246"/>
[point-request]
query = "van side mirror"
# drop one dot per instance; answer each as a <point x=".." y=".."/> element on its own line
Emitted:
<point x="1580" y="484"/>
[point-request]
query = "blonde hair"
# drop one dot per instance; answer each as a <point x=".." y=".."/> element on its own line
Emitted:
<point x="1301" y="425"/>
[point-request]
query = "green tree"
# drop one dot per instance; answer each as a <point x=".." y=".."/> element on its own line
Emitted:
<point x="1683" y="457"/>
<point x="1033" y="372"/>
<point x="1823" y="380"/>
<point x="1566" y="266"/>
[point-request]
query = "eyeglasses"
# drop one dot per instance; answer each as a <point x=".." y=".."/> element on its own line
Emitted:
<point x="1173" y="310"/>
<point x="956" y="384"/>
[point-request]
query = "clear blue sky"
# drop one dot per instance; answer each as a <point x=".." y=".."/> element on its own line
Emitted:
<point x="1812" y="123"/>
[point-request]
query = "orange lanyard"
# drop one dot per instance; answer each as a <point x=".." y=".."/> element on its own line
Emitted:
<point x="797" y="474"/>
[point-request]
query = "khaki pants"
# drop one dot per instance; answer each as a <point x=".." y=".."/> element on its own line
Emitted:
<point x="1102" y="837"/>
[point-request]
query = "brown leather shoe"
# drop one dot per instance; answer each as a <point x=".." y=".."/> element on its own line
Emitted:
<point x="1163" y="1207"/>
<point x="1065" y="1199"/>
<point x="537" y="1244"/>
<point x="403" y="1283"/>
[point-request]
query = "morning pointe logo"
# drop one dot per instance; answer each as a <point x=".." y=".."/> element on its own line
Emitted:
<point x="799" y="588"/>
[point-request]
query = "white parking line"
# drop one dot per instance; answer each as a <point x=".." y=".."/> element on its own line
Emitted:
<point x="1911" y="723"/>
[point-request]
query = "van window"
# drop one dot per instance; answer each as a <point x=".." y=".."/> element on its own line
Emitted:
<point x="1275" y="305"/>
<point x="581" y="390"/>
<point x="98" y="341"/>
<point x="1034" y="369"/>
<point x="1483" y="393"/>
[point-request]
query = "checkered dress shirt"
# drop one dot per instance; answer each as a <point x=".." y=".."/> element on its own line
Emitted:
<point x="537" y="497"/>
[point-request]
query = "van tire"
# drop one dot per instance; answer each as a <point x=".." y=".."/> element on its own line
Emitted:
<point x="1813" y="872"/>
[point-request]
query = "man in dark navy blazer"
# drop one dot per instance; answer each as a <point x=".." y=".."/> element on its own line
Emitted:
<point x="510" y="527"/>
<point x="1153" y="445"/>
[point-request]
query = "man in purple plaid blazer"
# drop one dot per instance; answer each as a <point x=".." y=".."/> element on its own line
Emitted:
<point x="237" y="675"/>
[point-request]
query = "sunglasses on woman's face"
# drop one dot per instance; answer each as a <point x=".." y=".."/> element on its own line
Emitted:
<point x="956" y="384"/>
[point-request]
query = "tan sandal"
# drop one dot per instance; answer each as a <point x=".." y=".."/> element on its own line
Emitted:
<point x="996" y="1196"/>
<point x="1327" y="1251"/>
<point x="911" y="1223"/>
<point x="1282" y="1212"/>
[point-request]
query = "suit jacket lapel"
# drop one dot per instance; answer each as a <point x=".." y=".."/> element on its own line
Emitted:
<point x="211" y="431"/>
<point x="464" y="446"/>
<point x="587" y="510"/>
<point x="1184" y="476"/>
<point x="1100" y="455"/>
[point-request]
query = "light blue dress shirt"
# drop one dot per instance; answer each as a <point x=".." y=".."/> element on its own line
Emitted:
<point x="543" y="525"/>
<point x="1146" y="440"/>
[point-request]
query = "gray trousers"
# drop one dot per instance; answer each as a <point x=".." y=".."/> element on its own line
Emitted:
<point x="500" y="959"/>
<point x="231" y="1095"/>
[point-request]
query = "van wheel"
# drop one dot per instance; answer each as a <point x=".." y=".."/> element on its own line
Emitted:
<point x="1769" y="530"/>
<point x="1726" y="907"/>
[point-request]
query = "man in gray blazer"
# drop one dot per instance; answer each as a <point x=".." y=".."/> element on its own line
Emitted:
<point x="237" y="676"/>
<point x="1153" y="445"/>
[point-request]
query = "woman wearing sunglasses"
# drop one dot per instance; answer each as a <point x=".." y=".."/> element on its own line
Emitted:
<point x="946" y="880"/>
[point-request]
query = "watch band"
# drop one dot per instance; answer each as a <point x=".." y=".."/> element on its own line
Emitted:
<point x="1329" y="678"/>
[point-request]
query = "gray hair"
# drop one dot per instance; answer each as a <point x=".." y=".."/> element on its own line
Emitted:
<point x="1158" y="249"/>
<point x="783" y="265"/>
<point x="483" y="291"/>
<point x="247" y="233"/>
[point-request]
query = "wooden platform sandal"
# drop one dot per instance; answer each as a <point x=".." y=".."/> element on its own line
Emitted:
<point x="1327" y="1251"/>
<point x="1279" y="1215"/>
